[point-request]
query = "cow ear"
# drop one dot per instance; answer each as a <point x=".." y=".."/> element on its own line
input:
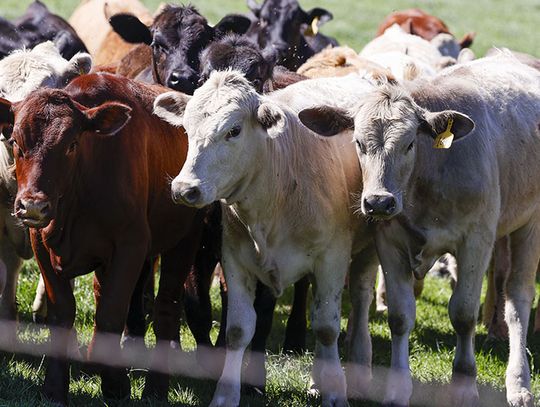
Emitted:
<point x="171" y="106"/>
<point x="467" y="40"/>
<point x="232" y="23"/>
<point x="322" y="16"/>
<point x="6" y="114"/>
<point x="254" y="7"/>
<point x="107" y="119"/>
<point x="80" y="64"/>
<point x="272" y="119"/>
<point x="326" y="121"/>
<point x="448" y="121"/>
<point x="130" y="28"/>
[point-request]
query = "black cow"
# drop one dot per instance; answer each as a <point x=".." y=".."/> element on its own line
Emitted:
<point x="243" y="54"/>
<point x="177" y="36"/>
<point x="293" y="32"/>
<point x="38" y="25"/>
<point x="10" y="38"/>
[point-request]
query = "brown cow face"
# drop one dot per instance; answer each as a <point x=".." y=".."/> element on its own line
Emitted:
<point x="387" y="129"/>
<point x="48" y="131"/>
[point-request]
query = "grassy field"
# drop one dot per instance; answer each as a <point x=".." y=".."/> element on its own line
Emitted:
<point x="496" y="22"/>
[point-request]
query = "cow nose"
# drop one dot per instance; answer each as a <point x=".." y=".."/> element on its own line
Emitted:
<point x="30" y="208"/>
<point x="379" y="205"/>
<point x="191" y="195"/>
<point x="181" y="83"/>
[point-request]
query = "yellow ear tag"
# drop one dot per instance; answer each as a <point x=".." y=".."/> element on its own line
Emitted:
<point x="313" y="29"/>
<point x="444" y="139"/>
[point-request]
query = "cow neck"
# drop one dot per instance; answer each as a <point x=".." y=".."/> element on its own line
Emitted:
<point x="59" y="230"/>
<point x="274" y="195"/>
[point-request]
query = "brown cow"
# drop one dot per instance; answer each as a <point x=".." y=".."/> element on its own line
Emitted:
<point x="108" y="209"/>
<point x="418" y="22"/>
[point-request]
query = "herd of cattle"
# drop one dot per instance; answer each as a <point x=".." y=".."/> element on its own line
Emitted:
<point x="254" y="118"/>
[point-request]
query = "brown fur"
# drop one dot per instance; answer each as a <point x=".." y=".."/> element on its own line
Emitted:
<point x="341" y="61"/>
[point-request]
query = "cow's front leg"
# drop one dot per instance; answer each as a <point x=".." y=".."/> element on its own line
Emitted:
<point x="473" y="257"/>
<point x="61" y="306"/>
<point x="241" y="321"/>
<point x="113" y="287"/>
<point x="401" y="316"/>
<point x="329" y="279"/>
<point x="363" y="272"/>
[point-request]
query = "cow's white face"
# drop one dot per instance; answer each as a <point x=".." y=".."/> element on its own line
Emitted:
<point x="387" y="127"/>
<point x="226" y="125"/>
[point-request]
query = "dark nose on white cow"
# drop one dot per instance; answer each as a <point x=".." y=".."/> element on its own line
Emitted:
<point x="380" y="205"/>
<point x="186" y="194"/>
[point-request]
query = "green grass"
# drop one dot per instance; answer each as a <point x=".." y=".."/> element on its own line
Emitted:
<point x="496" y="22"/>
<point x="432" y="347"/>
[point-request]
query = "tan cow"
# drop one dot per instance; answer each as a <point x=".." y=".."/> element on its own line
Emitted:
<point x="90" y="20"/>
<point x="287" y="213"/>
<point x="457" y="198"/>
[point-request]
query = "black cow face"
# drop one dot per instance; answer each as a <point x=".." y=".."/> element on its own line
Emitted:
<point x="281" y="24"/>
<point x="240" y="53"/>
<point x="177" y="37"/>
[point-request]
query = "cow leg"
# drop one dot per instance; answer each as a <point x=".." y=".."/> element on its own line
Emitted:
<point x="220" y="341"/>
<point x="380" y="296"/>
<point x="502" y="264"/>
<point x="61" y="315"/>
<point x="401" y="316"/>
<point x="520" y="291"/>
<point x="295" y="334"/>
<point x="265" y="302"/>
<point x="135" y="329"/>
<point x="114" y="286"/>
<point x="363" y="272"/>
<point x="11" y="263"/>
<point x="473" y="257"/>
<point x="175" y="266"/>
<point x="241" y="320"/>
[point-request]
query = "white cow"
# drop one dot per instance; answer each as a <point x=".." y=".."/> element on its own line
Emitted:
<point x="407" y="56"/>
<point x="287" y="212"/>
<point x="457" y="199"/>
<point x="20" y="73"/>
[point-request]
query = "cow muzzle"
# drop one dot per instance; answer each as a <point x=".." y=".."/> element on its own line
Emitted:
<point x="34" y="213"/>
<point x="380" y="206"/>
<point x="187" y="194"/>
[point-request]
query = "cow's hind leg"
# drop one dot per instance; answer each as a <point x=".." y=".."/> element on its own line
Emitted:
<point x="175" y="266"/>
<point x="363" y="272"/>
<point x="473" y="257"/>
<point x="520" y="290"/>
<point x="295" y="334"/>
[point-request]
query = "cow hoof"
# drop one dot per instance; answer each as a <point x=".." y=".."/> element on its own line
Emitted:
<point x="156" y="386"/>
<point x="465" y="396"/>
<point x="334" y="401"/>
<point x="226" y="395"/>
<point x="115" y="385"/>
<point x="358" y="381"/>
<point x="524" y="398"/>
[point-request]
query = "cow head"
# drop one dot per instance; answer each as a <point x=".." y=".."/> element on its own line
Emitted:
<point x="48" y="130"/>
<point x="228" y="126"/>
<point x="239" y="53"/>
<point x="281" y="24"/>
<point x="26" y="70"/>
<point x="10" y="38"/>
<point x="177" y="36"/>
<point x="38" y="24"/>
<point x="389" y="128"/>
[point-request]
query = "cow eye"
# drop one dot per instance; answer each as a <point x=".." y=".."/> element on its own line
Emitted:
<point x="72" y="147"/>
<point x="361" y="147"/>
<point x="410" y="146"/>
<point x="159" y="46"/>
<point x="234" y="132"/>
